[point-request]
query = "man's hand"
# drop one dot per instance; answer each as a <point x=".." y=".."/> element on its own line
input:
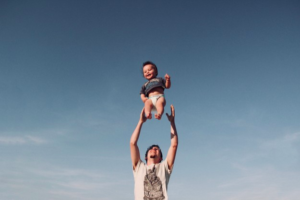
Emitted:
<point x="174" y="139"/>
<point x="171" y="117"/>
<point x="142" y="116"/>
<point x="134" y="149"/>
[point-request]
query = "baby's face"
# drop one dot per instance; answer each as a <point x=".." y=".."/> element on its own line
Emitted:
<point x="149" y="71"/>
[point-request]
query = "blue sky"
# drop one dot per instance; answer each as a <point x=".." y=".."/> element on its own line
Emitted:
<point x="69" y="97"/>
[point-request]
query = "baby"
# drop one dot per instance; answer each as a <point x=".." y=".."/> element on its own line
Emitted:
<point x="152" y="92"/>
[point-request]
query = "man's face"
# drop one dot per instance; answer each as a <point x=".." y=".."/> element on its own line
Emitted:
<point x="154" y="154"/>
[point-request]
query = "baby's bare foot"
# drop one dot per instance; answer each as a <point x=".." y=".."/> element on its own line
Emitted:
<point x="148" y="115"/>
<point x="158" y="116"/>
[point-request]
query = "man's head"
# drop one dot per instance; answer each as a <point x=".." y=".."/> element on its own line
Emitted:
<point x="153" y="152"/>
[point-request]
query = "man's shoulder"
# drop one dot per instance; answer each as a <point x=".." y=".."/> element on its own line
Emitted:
<point x="164" y="164"/>
<point x="140" y="165"/>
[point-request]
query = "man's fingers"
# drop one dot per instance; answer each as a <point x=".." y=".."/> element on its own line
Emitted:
<point x="143" y="111"/>
<point x="172" y="110"/>
<point x="142" y="116"/>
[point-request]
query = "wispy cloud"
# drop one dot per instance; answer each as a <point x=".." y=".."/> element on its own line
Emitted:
<point x="77" y="179"/>
<point x="286" y="145"/>
<point x="286" y="140"/>
<point x="35" y="140"/>
<point x="59" y="172"/>
<point x="82" y="185"/>
<point x="62" y="183"/>
<point x="12" y="140"/>
<point x="36" y="137"/>
<point x="265" y="169"/>
<point x="265" y="182"/>
<point x="21" y="140"/>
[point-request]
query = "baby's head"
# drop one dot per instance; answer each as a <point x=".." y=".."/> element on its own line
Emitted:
<point x="149" y="70"/>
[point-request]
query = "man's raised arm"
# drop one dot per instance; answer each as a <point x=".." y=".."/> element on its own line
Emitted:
<point x="174" y="139"/>
<point x="134" y="149"/>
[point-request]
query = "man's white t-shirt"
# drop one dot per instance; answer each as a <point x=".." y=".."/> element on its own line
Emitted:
<point x="151" y="182"/>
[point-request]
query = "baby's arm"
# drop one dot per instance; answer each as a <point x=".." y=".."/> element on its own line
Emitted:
<point x="144" y="98"/>
<point x="168" y="81"/>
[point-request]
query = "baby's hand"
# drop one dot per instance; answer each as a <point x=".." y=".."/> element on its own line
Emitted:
<point x="168" y="81"/>
<point x="167" y="77"/>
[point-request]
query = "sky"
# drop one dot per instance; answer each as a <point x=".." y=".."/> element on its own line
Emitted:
<point x="70" y="77"/>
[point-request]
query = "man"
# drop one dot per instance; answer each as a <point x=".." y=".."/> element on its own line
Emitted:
<point x="151" y="179"/>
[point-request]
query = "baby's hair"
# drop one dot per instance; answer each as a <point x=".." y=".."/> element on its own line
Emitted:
<point x="149" y="63"/>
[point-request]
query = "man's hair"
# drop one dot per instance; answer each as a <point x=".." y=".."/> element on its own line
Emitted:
<point x="154" y="145"/>
<point x="149" y="63"/>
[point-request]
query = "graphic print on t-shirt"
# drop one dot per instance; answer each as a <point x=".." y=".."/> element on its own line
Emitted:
<point x="153" y="186"/>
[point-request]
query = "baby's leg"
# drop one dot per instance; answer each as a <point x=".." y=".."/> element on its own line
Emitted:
<point x="148" y="108"/>
<point x="160" y="104"/>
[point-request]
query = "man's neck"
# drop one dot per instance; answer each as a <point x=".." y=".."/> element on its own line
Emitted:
<point x="150" y="162"/>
